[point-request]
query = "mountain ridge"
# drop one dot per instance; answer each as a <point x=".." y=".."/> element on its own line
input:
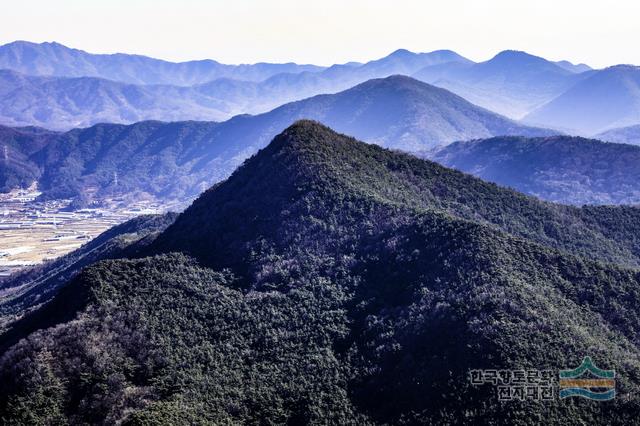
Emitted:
<point x="62" y="102"/>
<point x="607" y="99"/>
<point x="396" y="112"/>
<point x="306" y="144"/>
<point x="59" y="60"/>
<point x="511" y="83"/>
<point x="629" y="135"/>
<point x="340" y="306"/>
<point x="566" y="169"/>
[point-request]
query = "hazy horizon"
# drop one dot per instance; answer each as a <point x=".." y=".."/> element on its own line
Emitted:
<point x="250" y="31"/>
<point x="286" y="61"/>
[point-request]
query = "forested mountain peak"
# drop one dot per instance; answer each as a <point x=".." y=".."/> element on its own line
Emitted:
<point x="352" y="284"/>
<point x="309" y="167"/>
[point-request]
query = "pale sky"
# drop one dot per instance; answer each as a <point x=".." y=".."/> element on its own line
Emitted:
<point x="323" y="32"/>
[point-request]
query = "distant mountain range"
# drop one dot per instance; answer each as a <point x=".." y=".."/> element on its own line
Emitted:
<point x="331" y="281"/>
<point x="606" y="99"/>
<point x="401" y="113"/>
<point x="175" y="160"/>
<point x="630" y="135"/>
<point x="560" y="168"/>
<point x="56" y="87"/>
<point x="61" y="102"/>
<point x="52" y="86"/>
<point x="57" y="60"/>
<point x="512" y="83"/>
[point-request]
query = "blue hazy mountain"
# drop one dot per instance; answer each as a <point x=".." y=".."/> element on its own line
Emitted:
<point x="17" y="146"/>
<point x="399" y="112"/>
<point x="630" y="135"/>
<point x="512" y="83"/>
<point x="174" y="160"/>
<point x="341" y="77"/>
<point x="405" y="62"/>
<point x="606" y="99"/>
<point x="62" y="102"/>
<point x="107" y="88"/>
<point x="575" y="68"/>
<point x="55" y="59"/>
<point x="561" y="168"/>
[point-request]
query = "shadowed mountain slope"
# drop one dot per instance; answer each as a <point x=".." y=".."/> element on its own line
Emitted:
<point x="561" y="168"/>
<point x="29" y="289"/>
<point x="512" y="83"/>
<point x="349" y="284"/>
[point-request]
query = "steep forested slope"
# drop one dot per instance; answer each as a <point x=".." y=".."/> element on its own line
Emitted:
<point x="27" y="290"/>
<point x="342" y="165"/>
<point x="17" y="169"/>
<point x="333" y="281"/>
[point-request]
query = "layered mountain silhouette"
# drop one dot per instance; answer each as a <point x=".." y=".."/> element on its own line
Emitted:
<point x="57" y="60"/>
<point x="405" y="62"/>
<point x="605" y="100"/>
<point x="560" y="168"/>
<point x="577" y="68"/>
<point x="512" y="83"/>
<point x="72" y="88"/>
<point x="630" y="135"/>
<point x="334" y="281"/>
<point x="62" y="103"/>
<point x="175" y="160"/>
<point x="399" y="112"/>
<point x="52" y="86"/>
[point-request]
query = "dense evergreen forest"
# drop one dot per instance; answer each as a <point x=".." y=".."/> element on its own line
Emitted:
<point x="331" y="281"/>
